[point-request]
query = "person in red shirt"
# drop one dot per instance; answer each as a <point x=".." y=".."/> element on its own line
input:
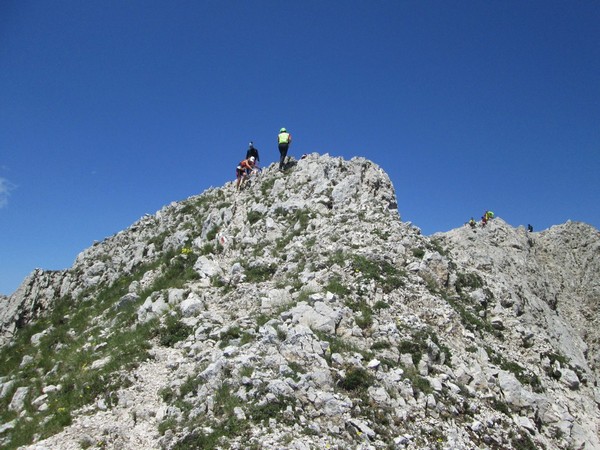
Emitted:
<point x="244" y="169"/>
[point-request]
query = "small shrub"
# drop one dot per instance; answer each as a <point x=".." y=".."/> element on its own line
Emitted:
<point x="179" y="270"/>
<point x="380" y="305"/>
<point x="259" y="273"/>
<point x="384" y="235"/>
<point x="418" y="344"/>
<point x="522" y="441"/>
<point x="246" y="338"/>
<point x="337" y="258"/>
<point x="436" y="245"/>
<point x="418" y="253"/>
<point x="167" y="424"/>
<point x="296" y="367"/>
<point x="339" y="345"/>
<point x="380" y="345"/>
<point x="270" y="410"/>
<point x="467" y="280"/>
<point x="422" y="384"/>
<point x="234" y="333"/>
<point x="471" y="321"/>
<point x="190" y="385"/>
<point x="281" y="334"/>
<point x="266" y="186"/>
<point x="364" y="319"/>
<point x="413" y="348"/>
<point x="173" y="331"/>
<point x="261" y="319"/>
<point x="212" y="233"/>
<point x="246" y="371"/>
<point x="356" y="378"/>
<point x="335" y="286"/>
<point x="253" y="217"/>
<point x="382" y="272"/>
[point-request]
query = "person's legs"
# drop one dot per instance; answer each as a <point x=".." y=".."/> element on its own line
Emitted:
<point x="283" y="148"/>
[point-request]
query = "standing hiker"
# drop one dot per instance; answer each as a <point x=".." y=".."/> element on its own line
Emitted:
<point x="284" y="139"/>
<point x="252" y="151"/>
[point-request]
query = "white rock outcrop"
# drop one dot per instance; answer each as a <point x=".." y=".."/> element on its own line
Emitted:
<point x="301" y="312"/>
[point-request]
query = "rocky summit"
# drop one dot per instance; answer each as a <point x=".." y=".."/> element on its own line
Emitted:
<point x="301" y="313"/>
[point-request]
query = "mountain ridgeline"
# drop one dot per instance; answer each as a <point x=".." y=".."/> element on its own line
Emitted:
<point x="302" y="313"/>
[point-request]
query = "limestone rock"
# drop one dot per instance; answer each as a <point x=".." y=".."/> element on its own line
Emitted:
<point x="308" y="315"/>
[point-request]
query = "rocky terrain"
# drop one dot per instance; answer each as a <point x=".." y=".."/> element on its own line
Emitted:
<point x="302" y="313"/>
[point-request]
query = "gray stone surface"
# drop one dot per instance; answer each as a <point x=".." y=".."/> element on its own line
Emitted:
<point x="310" y="302"/>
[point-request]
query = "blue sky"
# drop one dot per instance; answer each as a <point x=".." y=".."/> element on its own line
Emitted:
<point x="112" y="109"/>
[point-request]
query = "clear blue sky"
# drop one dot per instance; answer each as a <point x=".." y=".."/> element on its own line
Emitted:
<point x="112" y="109"/>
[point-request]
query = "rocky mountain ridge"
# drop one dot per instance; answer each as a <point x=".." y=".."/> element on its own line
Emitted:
<point x="303" y="313"/>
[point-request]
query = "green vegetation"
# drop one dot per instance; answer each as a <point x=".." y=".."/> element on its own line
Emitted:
<point x="297" y="369"/>
<point x="380" y="304"/>
<point x="159" y="240"/>
<point x="258" y="273"/>
<point x="266" y="186"/>
<point x="522" y="374"/>
<point x="73" y="334"/>
<point x="364" y="319"/>
<point x="419" y="383"/>
<point x="226" y="424"/>
<point x="356" y="378"/>
<point x="418" y="344"/>
<point x="235" y="333"/>
<point x="212" y="233"/>
<point x="436" y="245"/>
<point x="335" y="286"/>
<point x="201" y="202"/>
<point x="418" y="253"/>
<point x="178" y="271"/>
<point x="467" y="281"/>
<point x="263" y="412"/>
<point x="173" y="331"/>
<point x="522" y="441"/>
<point x="381" y="234"/>
<point x="81" y="384"/>
<point x="469" y="313"/>
<point x="337" y="258"/>
<point x="380" y="345"/>
<point x="253" y="217"/>
<point x="382" y="272"/>
<point x="340" y="345"/>
<point x="297" y="220"/>
<point x="555" y="357"/>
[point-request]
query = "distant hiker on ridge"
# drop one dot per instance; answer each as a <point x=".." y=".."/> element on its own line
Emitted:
<point x="487" y="216"/>
<point x="284" y="139"/>
<point x="244" y="169"/>
<point x="252" y="151"/>
<point x="472" y="223"/>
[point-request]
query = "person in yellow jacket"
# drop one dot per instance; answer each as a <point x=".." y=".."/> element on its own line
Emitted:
<point x="284" y="139"/>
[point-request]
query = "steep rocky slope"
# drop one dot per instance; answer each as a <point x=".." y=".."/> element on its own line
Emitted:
<point x="302" y="313"/>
